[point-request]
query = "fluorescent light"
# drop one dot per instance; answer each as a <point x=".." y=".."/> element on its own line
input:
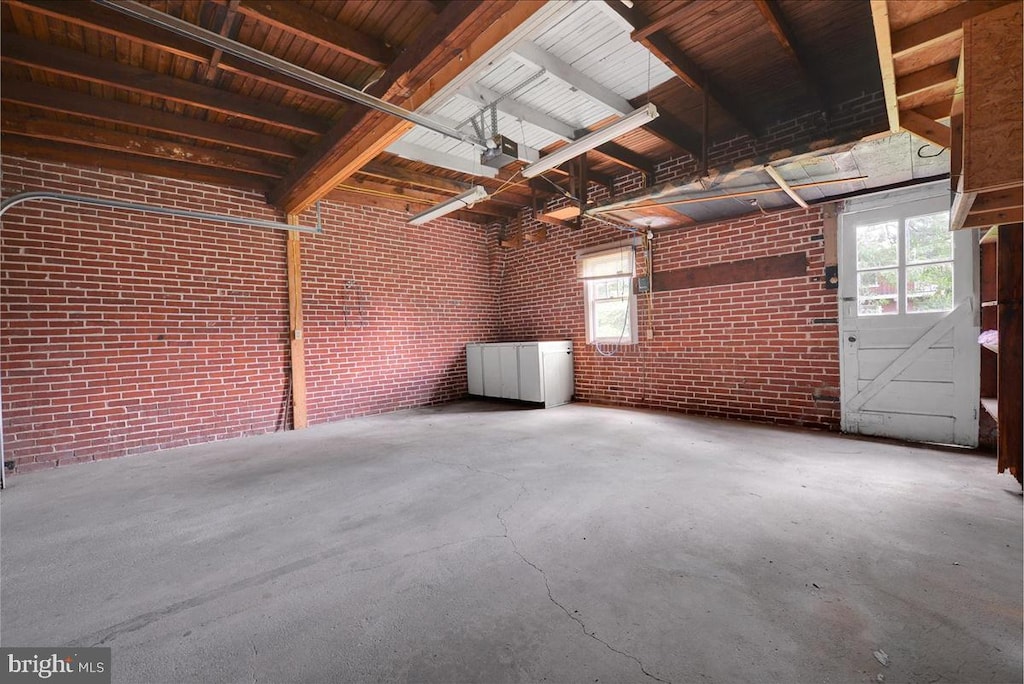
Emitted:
<point x="467" y="199"/>
<point x="631" y="121"/>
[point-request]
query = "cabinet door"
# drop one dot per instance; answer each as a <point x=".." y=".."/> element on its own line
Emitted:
<point x="531" y="385"/>
<point x="491" y="361"/>
<point x="558" y="384"/>
<point x="475" y="369"/>
<point x="508" y="371"/>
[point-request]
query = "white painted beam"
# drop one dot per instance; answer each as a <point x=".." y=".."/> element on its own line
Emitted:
<point x="484" y="97"/>
<point x="530" y="53"/>
<point x="443" y="160"/>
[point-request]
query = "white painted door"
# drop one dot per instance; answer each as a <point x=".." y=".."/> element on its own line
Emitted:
<point x="908" y="320"/>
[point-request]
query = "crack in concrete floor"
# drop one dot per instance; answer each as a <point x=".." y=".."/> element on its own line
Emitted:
<point x="547" y="585"/>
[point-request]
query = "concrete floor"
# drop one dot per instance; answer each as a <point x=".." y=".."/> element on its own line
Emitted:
<point x="478" y="543"/>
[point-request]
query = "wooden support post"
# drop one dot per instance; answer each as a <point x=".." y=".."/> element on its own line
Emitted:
<point x="1011" y="363"/>
<point x="298" y="346"/>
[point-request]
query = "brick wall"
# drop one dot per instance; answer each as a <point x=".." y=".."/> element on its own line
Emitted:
<point x="389" y="308"/>
<point x="124" y="332"/>
<point x="749" y="350"/>
<point x="745" y="350"/>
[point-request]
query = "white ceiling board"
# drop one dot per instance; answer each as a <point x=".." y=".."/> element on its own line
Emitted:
<point x="580" y="47"/>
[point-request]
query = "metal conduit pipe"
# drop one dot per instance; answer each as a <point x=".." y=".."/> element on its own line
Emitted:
<point x="21" y="197"/>
<point x="242" y="51"/>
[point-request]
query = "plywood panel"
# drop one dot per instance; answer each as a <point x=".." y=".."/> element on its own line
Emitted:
<point x="993" y="100"/>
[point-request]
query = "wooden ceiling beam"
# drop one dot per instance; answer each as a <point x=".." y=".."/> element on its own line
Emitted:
<point x="783" y="33"/>
<point x="398" y="174"/>
<point x="227" y="23"/>
<point x="923" y="127"/>
<point x="309" y="24"/>
<point x="672" y="130"/>
<point x="626" y="157"/>
<point x="939" y="110"/>
<point x="93" y="157"/>
<point x="94" y="17"/>
<point x="74" y="103"/>
<point x="883" y="42"/>
<point x="404" y="206"/>
<point x="683" y="67"/>
<point x="75" y="64"/>
<point x="425" y="198"/>
<point x="927" y="32"/>
<point x="655" y="25"/>
<point x="117" y="141"/>
<point x="461" y="34"/>
<point x="937" y="75"/>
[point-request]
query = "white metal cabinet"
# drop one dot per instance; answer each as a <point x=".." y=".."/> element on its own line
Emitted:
<point x="475" y="368"/>
<point x="538" y="372"/>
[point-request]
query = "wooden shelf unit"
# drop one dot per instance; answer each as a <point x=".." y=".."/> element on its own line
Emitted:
<point x="987" y="180"/>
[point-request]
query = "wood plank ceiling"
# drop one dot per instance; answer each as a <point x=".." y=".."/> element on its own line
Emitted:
<point x="82" y="83"/>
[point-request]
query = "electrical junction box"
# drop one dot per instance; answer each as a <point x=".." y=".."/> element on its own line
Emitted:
<point x="643" y="284"/>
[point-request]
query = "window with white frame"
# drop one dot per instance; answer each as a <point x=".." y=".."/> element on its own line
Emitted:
<point x="905" y="265"/>
<point x="607" y="276"/>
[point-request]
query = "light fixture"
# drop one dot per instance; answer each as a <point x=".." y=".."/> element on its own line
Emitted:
<point x="467" y="199"/>
<point x="635" y="119"/>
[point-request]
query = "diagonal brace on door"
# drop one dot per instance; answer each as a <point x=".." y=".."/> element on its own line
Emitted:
<point x="911" y="354"/>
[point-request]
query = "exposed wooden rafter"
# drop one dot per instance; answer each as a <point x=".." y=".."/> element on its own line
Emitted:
<point x="425" y="180"/>
<point x="93" y="17"/>
<point x="81" y="155"/>
<point x="682" y="66"/>
<point x="66" y="62"/>
<point x="883" y="41"/>
<point x="170" y="151"/>
<point x="626" y="157"/>
<point x="924" y="34"/>
<point x="780" y="28"/>
<point x="665" y="20"/>
<point x="467" y="29"/>
<point x="942" y="75"/>
<point x="313" y="26"/>
<point x="111" y="111"/>
<point x="227" y="23"/>
<point x="917" y="101"/>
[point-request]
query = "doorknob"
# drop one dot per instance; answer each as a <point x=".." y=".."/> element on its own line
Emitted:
<point x="851" y="338"/>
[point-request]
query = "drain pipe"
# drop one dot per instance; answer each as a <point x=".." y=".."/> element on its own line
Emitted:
<point x="21" y="197"/>
<point x="249" y="54"/>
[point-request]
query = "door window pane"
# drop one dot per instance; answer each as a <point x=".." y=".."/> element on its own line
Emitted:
<point x="930" y="287"/>
<point x="877" y="292"/>
<point x="929" y="238"/>
<point x="878" y="245"/>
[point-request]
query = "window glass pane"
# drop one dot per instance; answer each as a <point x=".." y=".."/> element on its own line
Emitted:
<point x="877" y="292"/>
<point x="929" y="238"/>
<point x="930" y="288"/>
<point x="878" y="245"/>
<point x="611" y="320"/>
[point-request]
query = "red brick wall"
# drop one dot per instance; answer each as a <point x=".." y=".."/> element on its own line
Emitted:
<point x="124" y="332"/>
<point x="389" y="308"/>
<point x="745" y="350"/>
